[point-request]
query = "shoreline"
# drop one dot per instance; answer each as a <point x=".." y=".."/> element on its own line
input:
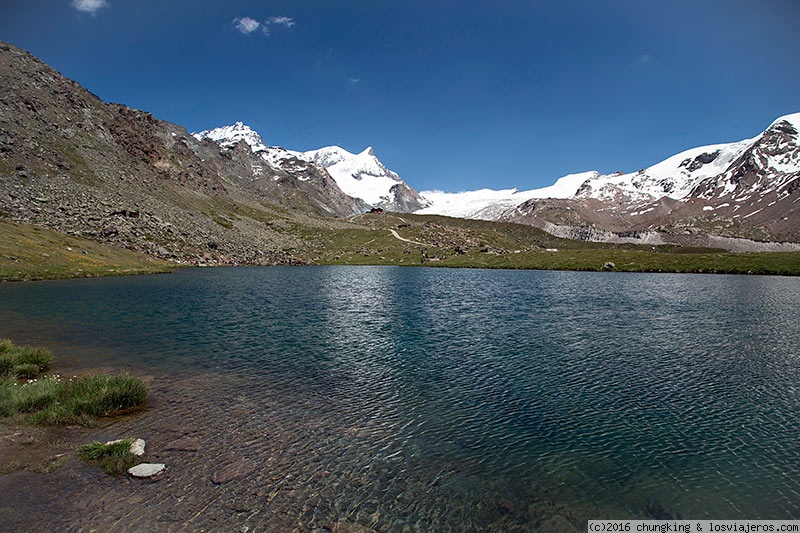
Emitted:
<point x="32" y="253"/>
<point x="751" y="264"/>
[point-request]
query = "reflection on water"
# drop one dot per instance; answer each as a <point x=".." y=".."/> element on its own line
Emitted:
<point x="429" y="400"/>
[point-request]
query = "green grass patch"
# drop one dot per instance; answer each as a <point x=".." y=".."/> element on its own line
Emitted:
<point x="48" y="399"/>
<point x="29" y="397"/>
<point x="115" y="457"/>
<point x="82" y="400"/>
<point x="26" y="371"/>
<point x="52" y="400"/>
<point x="23" y="361"/>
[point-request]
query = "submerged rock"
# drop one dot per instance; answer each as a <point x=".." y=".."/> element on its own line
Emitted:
<point x="185" y="444"/>
<point x="147" y="469"/>
<point x="233" y="471"/>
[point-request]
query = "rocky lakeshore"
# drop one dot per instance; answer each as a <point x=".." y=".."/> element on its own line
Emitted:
<point x="236" y="464"/>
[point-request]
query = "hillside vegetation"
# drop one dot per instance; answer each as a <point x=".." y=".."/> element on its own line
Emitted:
<point x="34" y="253"/>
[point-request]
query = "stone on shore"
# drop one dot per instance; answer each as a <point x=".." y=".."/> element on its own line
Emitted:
<point x="137" y="446"/>
<point x="147" y="469"/>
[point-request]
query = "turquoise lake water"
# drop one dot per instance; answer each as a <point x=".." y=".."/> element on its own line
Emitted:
<point x="467" y="398"/>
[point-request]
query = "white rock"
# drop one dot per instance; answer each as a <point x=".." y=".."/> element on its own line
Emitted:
<point x="137" y="447"/>
<point x="147" y="469"/>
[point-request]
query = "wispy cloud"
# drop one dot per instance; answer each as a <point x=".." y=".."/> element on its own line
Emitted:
<point x="246" y="24"/>
<point x="89" y="6"/>
<point x="646" y="58"/>
<point x="353" y="81"/>
<point x="283" y="21"/>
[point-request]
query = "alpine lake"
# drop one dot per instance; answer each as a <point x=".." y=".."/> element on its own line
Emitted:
<point x="418" y="399"/>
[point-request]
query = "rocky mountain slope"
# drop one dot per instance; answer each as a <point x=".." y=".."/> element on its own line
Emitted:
<point x="70" y="162"/>
<point x="748" y="189"/>
<point x="362" y="176"/>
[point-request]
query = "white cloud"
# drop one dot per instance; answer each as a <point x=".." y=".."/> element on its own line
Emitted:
<point x="247" y="25"/>
<point x="646" y="58"/>
<point x="283" y="21"/>
<point x="89" y="6"/>
<point x="353" y="81"/>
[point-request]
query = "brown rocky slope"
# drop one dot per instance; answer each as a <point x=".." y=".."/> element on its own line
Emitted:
<point x="70" y="162"/>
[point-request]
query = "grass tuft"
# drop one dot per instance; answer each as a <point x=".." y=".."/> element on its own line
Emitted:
<point x="115" y="457"/>
<point x="31" y="355"/>
<point x="26" y="371"/>
<point x="96" y="396"/>
<point x="6" y="364"/>
<point x="26" y="360"/>
<point x="51" y="400"/>
<point x="35" y="395"/>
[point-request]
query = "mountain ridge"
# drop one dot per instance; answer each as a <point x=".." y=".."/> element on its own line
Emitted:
<point x="120" y="176"/>
<point x="362" y="176"/>
<point x="719" y="190"/>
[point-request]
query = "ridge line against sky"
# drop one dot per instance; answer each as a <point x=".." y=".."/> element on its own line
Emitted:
<point x="453" y="95"/>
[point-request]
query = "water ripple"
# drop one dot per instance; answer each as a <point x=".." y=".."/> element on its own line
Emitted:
<point x="446" y="400"/>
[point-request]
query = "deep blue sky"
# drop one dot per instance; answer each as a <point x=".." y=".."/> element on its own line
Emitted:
<point x="452" y="94"/>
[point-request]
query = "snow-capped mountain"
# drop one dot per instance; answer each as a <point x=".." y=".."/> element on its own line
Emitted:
<point x="362" y="176"/>
<point x="489" y="204"/>
<point x="709" y="171"/>
<point x="228" y="136"/>
<point x="749" y="188"/>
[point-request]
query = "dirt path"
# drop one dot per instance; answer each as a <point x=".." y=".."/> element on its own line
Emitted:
<point x="398" y="237"/>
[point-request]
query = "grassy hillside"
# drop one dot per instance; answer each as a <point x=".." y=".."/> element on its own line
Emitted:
<point x="450" y="242"/>
<point x="32" y="253"/>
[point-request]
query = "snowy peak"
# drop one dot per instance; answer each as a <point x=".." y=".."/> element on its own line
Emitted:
<point x="708" y="171"/>
<point x="362" y="176"/>
<point x="675" y="177"/>
<point x="229" y="136"/>
<point x="328" y="156"/>
<point x="786" y="124"/>
<point x="356" y="166"/>
<point x="770" y="165"/>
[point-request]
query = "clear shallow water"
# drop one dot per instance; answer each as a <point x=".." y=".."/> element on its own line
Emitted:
<point x="434" y="399"/>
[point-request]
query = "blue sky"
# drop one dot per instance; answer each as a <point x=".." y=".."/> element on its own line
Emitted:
<point x="452" y="95"/>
